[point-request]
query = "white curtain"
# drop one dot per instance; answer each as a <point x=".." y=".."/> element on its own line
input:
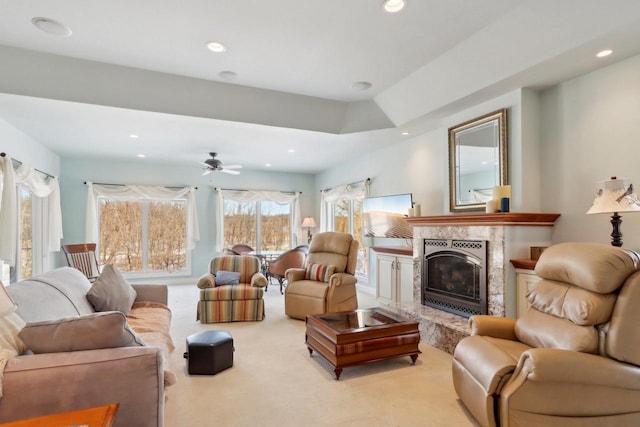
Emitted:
<point x="140" y="192"/>
<point x="243" y="196"/>
<point x="349" y="191"/>
<point x="29" y="178"/>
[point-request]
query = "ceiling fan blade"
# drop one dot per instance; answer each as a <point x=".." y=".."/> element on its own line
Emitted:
<point x="233" y="167"/>
<point x="204" y="164"/>
<point x="207" y="172"/>
<point x="232" y="172"/>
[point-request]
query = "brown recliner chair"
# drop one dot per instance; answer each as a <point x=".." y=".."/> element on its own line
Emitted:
<point x="573" y="359"/>
<point x="327" y="283"/>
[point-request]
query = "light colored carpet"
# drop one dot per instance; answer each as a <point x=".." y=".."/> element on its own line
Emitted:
<point x="274" y="381"/>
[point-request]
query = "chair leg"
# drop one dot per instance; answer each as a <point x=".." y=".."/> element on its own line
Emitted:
<point x="281" y="281"/>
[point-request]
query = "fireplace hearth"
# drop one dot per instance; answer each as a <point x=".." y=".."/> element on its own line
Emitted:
<point x="454" y="276"/>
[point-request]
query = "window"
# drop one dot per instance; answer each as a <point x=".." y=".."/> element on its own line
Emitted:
<point x="341" y="210"/>
<point x="147" y="237"/>
<point x="264" y="225"/>
<point x="345" y="216"/>
<point x="31" y="254"/>
<point x="264" y="220"/>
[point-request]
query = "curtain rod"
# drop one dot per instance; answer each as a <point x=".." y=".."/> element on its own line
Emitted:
<point x="278" y="191"/>
<point x="37" y="170"/>
<point x="351" y="183"/>
<point x="123" y="185"/>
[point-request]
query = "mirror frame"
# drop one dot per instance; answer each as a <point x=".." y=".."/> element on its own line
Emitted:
<point x="501" y="143"/>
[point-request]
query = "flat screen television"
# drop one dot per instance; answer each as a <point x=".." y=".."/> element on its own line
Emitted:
<point x="385" y="216"/>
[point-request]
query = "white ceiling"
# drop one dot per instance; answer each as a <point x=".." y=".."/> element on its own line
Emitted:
<point x="142" y="67"/>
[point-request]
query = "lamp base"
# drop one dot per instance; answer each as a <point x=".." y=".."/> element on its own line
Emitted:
<point x="616" y="234"/>
<point x="309" y="236"/>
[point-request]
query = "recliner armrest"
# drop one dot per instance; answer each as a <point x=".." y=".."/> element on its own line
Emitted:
<point x="294" y="274"/>
<point x="258" y="280"/>
<point x="492" y="326"/>
<point x="338" y="279"/>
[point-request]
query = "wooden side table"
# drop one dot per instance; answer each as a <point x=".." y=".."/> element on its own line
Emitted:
<point x="99" y="416"/>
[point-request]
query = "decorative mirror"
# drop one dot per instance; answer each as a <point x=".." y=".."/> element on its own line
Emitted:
<point x="477" y="161"/>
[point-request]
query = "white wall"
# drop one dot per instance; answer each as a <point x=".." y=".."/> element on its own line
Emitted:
<point x="589" y="134"/>
<point x="25" y="149"/>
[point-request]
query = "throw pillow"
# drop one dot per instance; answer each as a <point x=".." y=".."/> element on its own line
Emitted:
<point x="227" y="278"/>
<point x="10" y="343"/>
<point x="319" y="272"/>
<point x="206" y="281"/>
<point x="111" y="291"/>
<point x="107" y="329"/>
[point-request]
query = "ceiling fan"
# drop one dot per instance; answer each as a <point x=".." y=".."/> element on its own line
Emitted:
<point x="214" y="164"/>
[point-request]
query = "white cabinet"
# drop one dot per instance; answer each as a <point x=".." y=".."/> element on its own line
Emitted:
<point x="394" y="278"/>
<point x="524" y="280"/>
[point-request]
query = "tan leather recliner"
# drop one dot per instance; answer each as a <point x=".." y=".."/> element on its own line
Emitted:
<point x="573" y="359"/>
<point x="304" y="296"/>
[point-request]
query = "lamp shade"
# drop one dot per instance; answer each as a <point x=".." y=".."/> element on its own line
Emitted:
<point x="615" y="195"/>
<point x="309" y="222"/>
<point x="6" y="303"/>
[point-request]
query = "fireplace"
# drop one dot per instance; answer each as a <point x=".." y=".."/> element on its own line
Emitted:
<point x="454" y="276"/>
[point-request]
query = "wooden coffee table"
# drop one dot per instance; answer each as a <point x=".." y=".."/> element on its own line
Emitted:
<point x="352" y="338"/>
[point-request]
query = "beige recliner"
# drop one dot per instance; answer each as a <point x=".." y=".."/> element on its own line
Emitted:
<point x="573" y="359"/>
<point x="327" y="283"/>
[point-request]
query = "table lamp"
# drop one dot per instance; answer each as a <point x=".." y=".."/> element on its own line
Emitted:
<point x="308" y="223"/>
<point x="615" y="196"/>
<point x="6" y="303"/>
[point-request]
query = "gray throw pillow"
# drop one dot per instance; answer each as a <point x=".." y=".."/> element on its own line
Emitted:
<point x="111" y="291"/>
<point x="108" y="329"/>
<point x="227" y="278"/>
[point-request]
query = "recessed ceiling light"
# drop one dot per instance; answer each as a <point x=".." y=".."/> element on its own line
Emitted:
<point x="393" y="6"/>
<point x="142" y="156"/>
<point x="216" y="47"/>
<point x="405" y="133"/>
<point x="268" y="165"/>
<point x="51" y="26"/>
<point x="227" y="75"/>
<point x="133" y="135"/>
<point x="291" y="150"/>
<point x="360" y="86"/>
<point x="603" y="53"/>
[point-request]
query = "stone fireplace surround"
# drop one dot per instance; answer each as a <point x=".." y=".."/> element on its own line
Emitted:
<point x="509" y="235"/>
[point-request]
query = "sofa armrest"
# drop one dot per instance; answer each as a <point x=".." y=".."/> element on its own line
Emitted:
<point x="491" y="326"/>
<point x="151" y="292"/>
<point x="42" y="384"/>
<point x="259" y="280"/>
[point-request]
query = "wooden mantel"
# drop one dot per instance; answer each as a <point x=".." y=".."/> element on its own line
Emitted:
<point x="532" y="219"/>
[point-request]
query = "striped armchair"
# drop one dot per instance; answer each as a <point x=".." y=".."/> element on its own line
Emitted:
<point x="232" y="302"/>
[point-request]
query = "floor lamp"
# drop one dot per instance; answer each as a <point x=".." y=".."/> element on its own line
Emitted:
<point x="613" y="197"/>
<point x="308" y="223"/>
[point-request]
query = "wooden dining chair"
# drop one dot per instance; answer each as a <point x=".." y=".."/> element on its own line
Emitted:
<point x="83" y="257"/>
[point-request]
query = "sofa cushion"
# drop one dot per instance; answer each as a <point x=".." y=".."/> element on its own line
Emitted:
<point x="539" y="329"/>
<point x="227" y="278"/>
<point x="593" y="266"/>
<point x="319" y="272"/>
<point x="52" y="295"/>
<point x="231" y="293"/>
<point x="579" y="305"/>
<point x="111" y="291"/>
<point x="89" y="332"/>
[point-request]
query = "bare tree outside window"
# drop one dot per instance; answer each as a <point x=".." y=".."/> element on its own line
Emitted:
<point x="26" y="233"/>
<point x="241" y="224"/>
<point x="143" y="235"/>
<point x="347" y="218"/>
